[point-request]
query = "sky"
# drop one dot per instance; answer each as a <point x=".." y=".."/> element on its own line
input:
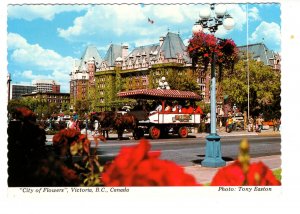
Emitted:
<point x="43" y="41"/>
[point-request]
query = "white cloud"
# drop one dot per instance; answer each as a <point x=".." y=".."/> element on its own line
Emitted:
<point x="28" y="74"/>
<point x="269" y="32"/>
<point x="116" y="18"/>
<point x="47" y="12"/>
<point x="238" y="13"/>
<point x="129" y="23"/>
<point x="44" y="60"/>
<point x="253" y="14"/>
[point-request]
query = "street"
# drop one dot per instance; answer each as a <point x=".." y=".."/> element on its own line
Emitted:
<point x="191" y="151"/>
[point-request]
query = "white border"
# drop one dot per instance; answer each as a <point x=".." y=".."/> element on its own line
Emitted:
<point x="179" y="200"/>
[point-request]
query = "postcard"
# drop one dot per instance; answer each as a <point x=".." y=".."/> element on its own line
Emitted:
<point x="138" y="101"/>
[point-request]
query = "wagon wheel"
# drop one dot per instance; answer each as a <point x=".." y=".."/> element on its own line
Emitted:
<point x="154" y="132"/>
<point x="183" y="132"/>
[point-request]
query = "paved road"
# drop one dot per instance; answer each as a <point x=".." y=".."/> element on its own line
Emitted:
<point x="191" y="151"/>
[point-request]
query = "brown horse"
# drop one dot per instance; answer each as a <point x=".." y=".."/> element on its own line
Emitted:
<point x="105" y="120"/>
<point x="119" y="122"/>
<point x="126" y="121"/>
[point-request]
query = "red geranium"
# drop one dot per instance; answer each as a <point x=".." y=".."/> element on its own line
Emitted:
<point x="231" y="175"/>
<point x="202" y="45"/>
<point x="24" y="113"/>
<point x="137" y="166"/>
<point x="260" y="175"/>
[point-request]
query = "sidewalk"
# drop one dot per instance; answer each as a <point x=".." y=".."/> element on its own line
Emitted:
<point x="204" y="175"/>
<point x="223" y="133"/>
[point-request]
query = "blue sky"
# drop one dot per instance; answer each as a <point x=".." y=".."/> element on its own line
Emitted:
<point x="44" y="40"/>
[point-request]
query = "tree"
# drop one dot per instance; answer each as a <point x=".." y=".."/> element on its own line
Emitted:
<point x="183" y="80"/>
<point x="264" y="87"/>
<point x="82" y="106"/>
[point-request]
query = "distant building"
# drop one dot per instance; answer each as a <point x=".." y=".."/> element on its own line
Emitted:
<point x="121" y="70"/>
<point x="50" y="97"/>
<point x="18" y="90"/>
<point x="46" y="86"/>
<point x="83" y="74"/>
<point x="98" y="80"/>
<point x="261" y="53"/>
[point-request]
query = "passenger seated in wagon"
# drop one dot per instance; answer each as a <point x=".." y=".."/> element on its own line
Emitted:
<point x="168" y="107"/>
<point x="175" y="107"/>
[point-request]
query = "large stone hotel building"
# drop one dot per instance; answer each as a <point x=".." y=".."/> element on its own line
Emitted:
<point x="97" y="81"/>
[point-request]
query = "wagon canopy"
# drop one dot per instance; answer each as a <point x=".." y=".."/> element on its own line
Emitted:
<point x="160" y="94"/>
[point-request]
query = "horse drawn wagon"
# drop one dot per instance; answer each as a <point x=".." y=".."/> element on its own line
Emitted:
<point x="177" y="118"/>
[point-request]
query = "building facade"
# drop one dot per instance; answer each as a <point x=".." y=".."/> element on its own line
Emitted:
<point x="261" y="53"/>
<point x="18" y="90"/>
<point x="50" y="97"/>
<point x="83" y="75"/>
<point x="46" y="86"/>
<point x="97" y="80"/>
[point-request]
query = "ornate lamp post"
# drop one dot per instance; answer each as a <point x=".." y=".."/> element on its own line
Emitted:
<point x="211" y="18"/>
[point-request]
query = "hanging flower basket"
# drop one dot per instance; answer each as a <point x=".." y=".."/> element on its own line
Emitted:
<point x="202" y="45"/>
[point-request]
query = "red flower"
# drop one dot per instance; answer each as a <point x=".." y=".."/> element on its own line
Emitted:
<point x="257" y="175"/>
<point x="25" y="112"/>
<point x="68" y="139"/>
<point x="137" y="166"/>
<point x="202" y="45"/>
<point x="69" y="174"/>
<point x="260" y="175"/>
<point x="231" y="175"/>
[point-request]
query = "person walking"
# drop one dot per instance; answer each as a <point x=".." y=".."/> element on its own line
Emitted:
<point x="229" y="123"/>
<point x="251" y="124"/>
<point x="278" y="124"/>
<point x="259" y="122"/>
<point x="96" y="127"/>
<point x="71" y="124"/>
<point x="274" y="124"/>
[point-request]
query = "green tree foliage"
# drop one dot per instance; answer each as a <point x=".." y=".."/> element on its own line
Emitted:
<point x="39" y="106"/>
<point x="178" y="78"/>
<point x="264" y="87"/>
<point x="183" y="80"/>
<point x="82" y="107"/>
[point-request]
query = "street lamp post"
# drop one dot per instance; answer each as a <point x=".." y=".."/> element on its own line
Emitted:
<point x="211" y="18"/>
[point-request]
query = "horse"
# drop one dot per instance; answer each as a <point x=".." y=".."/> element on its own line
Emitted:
<point x="119" y="122"/>
<point x="106" y="121"/>
<point x="125" y="121"/>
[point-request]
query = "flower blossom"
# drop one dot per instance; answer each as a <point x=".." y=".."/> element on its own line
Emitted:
<point x="137" y="166"/>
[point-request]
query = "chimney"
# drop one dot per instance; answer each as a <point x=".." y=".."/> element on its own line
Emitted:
<point x="124" y="51"/>
<point x="161" y="40"/>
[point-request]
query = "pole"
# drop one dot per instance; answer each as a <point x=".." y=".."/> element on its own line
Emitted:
<point x="248" y="67"/>
<point x="213" y="153"/>
<point x="213" y="96"/>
